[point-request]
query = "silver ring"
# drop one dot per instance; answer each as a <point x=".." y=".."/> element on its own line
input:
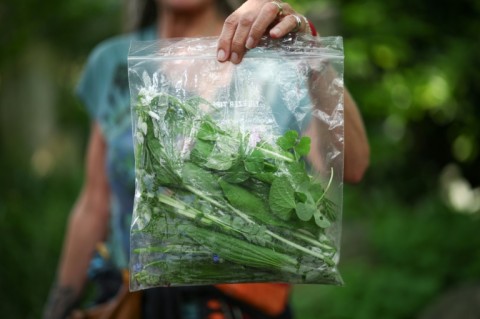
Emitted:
<point x="299" y="23"/>
<point x="280" y="8"/>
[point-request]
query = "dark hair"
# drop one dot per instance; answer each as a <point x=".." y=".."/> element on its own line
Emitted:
<point x="143" y="13"/>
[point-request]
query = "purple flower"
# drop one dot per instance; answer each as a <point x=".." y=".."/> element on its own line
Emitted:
<point x="253" y="139"/>
<point x="137" y="267"/>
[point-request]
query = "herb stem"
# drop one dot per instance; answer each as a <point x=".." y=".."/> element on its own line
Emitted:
<point x="192" y="213"/>
<point x="326" y="188"/>
<point x="313" y="241"/>
<point x="275" y="155"/>
<point x="268" y="232"/>
<point x="301" y="248"/>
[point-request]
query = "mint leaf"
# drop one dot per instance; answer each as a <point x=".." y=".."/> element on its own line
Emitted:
<point x="236" y="174"/>
<point x="254" y="162"/>
<point x="288" y="140"/>
<point x="243" y="200"/>
<point x="219" y="162"/>
<point x="224" y="153"/>
<point x="265" y="177"/>
<point x="321" y="221"/>
<point x="303" y="146"/>
<point x="207" y="132"/>
<point x="201" y="151"/>
<point x="305" y="211"/>
<point x="297" y="174"/>
<point x="301" y="197"/>
<point x="199" y="178"/>
<point x="281" y="197"/>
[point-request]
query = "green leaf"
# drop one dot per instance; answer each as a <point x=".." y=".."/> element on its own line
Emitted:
<point x="297" y="174"/>
<point x="199" y="178"/>
<point x="238" y="223"/>
<point x="207" y="132"/>
<point x="201" y="151"/>
<point x="305" y="211"/>
<point x="254" y="162"/>
<point x="282" y="198"/>
<point x="321" y="221"/>
<point x="224" y="154"/>
<point x="265" y="177"/>
<point x="243" y="200"/>
<point x="301" y="197"/>
<point x="236" y="174"/>
<point x="258" y="188"/>
<point x="288" y="140"/>
<point x="303" y="146"/>
<point x="316" y="190"/>
<point x="219" y="161"/>
<point x="328" y="209"/>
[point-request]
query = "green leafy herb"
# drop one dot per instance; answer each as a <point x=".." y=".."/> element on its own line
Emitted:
<point x="282" y="197"/>
<point x="205" y="190"/>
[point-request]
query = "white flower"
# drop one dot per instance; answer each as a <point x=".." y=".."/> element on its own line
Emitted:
<point x="142" y="126"/>
<point x="147" y="94"/>
<point x="154" y="115"/>
<point x="150" y="90"/>
<point x="139" y="137"/>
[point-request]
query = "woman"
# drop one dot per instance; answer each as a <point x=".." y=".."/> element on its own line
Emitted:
<point x="104" y="206"/>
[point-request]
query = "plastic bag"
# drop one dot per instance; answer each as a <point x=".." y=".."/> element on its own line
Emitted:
<point x="239" y="168"/>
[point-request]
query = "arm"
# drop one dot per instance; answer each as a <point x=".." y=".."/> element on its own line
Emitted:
<point x="356" y="148"/>
<point x="243" y="29"/>
<point x="87" y="226"/>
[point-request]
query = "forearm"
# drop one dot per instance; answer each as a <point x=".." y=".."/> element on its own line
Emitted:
<point x="357" y="150"/>
<point x="355" y="143"/>
<point x="86" y="228"/>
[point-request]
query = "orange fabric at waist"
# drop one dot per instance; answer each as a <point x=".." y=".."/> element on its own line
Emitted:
<point x="270" y="298"/>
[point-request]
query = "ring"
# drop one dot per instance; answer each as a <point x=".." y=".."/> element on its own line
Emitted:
<point x="299" y="23"/>
<point x="280" y="8"/>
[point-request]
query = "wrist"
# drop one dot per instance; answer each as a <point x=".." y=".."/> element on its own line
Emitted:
<point x="61" y="301"/>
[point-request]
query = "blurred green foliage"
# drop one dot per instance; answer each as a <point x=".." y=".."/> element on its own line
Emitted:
<point x="409" y="228"/>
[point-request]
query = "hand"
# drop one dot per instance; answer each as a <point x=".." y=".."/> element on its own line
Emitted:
<point x="244" y="27"/>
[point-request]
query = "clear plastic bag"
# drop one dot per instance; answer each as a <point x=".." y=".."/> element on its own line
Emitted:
<point x="239" y="168"/>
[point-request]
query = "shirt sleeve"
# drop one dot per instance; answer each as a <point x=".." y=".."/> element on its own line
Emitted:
<point x="92" y="85"/>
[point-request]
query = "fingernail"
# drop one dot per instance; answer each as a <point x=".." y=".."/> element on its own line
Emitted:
<point x="221" y="55"/>
<point x="250" y="43"/>
<point x="275" y="32"/>
<point x="234" y="57"/>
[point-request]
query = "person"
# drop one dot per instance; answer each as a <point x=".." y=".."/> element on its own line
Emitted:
<point x="104" y="206"/>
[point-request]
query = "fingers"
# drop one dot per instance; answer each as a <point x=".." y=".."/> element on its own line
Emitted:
<point x="232" y="43"/>
<point x="269" y="13"/>
<point x="224" y="41"/>
<point x="240" y="38"/>
<point x="244" y="28"/>
<point x="291" y="23"/>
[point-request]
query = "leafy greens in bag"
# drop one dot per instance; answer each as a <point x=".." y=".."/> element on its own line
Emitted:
<point x="223" y="193"/>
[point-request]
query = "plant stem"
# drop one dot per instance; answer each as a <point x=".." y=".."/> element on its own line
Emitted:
<point x="313" y="241"/>
<point x="192" y="213"/>
<point x="326" y="188"/>
<point x="275" y="155"/>
<point x="268" y="232"/>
